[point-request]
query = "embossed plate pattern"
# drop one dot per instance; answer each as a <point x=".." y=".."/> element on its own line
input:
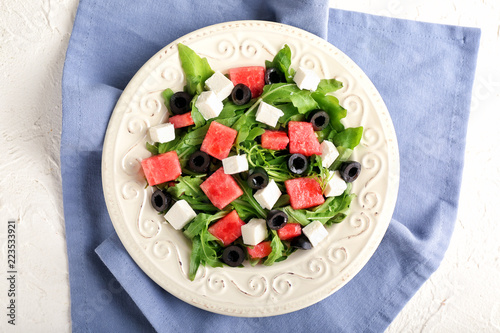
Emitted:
<point x="306" y="277"/>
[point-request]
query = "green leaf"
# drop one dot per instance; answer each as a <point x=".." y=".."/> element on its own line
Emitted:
<point x="188" y="185"/>
<point x="168" y="146"/>
<point x="333" y="210"/>
<point x="303" y="101"/>
<point x="201" y="222"/>
<point x="255" y="132"/>
<point x="326" y="86"/>
<point x="167" y="94"/>
<point x="248" y="196"/>
<point x="196" y="115"/>
<point x="196" y="69"/>
<point x="289" y="111"/>
<point x="344" y="154"/>
<point x="153" y="149"/>
<point x="278" y="93"/>
<point x="277" y="249"/>
<point x="331" y="105"/>
<point x="282" y="61"/>
<point x="188" y="188"/>
<point x="195" y="258"/>
<point x="349" y="138"/>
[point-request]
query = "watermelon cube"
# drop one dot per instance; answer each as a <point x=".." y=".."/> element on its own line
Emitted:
<point x="303" y="140"/>
<point x="161" y="168"/>
<point x="181" y="120"/>
<point x="218" y="140"/>
<point x="289" y="231"/>
<point x="275" y="140"/>
<point x="304" y="192"/>
<point x="221" y="189"/>
<point x="261" y="250"/>
<point x="228" y="228"/>
<point x="251" y="76"/>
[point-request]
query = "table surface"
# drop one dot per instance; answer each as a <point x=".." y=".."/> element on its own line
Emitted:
<point x="463" y="295"/>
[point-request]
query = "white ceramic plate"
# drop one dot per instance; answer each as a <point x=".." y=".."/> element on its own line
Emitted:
<point x="306" y="277"/>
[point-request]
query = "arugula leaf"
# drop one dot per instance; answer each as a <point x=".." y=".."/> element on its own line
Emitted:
<point x="344" y="154"/>
<point x="188" y="188"/>
<point x="277" y="249"/>
<point x="331" y="105"/>
<point x="200" y="222"/>
<point x="248" y="196"/>
<point x="196" y="69"/>
<point x="298" y="216"/>
<point x="153" y="149"/>
<point x="303" y="101"/>
<point x="204" y="252"/>
<point x="167" y="94"/>
<point x="168" y="146"/>
<point x="333" y="210"/>
<point x="196" y="115"/>
<point x="349" y="138"/>
<point x="326" y="86"/>
<point x="289" y="112"/>
<point x="282" y="61"/>
<point x="279" y="93"/>
<point x="195" y="258"/>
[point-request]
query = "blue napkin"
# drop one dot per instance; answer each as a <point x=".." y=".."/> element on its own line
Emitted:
<point x="423" y="71"/>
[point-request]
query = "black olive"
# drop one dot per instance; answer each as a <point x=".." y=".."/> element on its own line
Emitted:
<point x="199" y="162"/>
<point x="301" y="242"/>
<point x="257" y="178"/>
<point x="233" y="255"/>
<point x="319" y="119"/>
<point x="241" y="94"/>
<point x="276" y="219"/>
<point x="297" y="164"/>
<point x="160" y="200"/>
<point x="350" y="170"/>
<point x="180" y="102"/>
<point x="273" y="75"/>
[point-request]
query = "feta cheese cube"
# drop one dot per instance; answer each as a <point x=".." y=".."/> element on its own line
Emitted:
<point x="336" y="186"/>
<point x="268" y="196"/>
<point x="235" y="164"/>
<point x="162" y="133"/>
<point x="315" y="232"/>
<point x="254" y="232"/>
<point x="329" y="153"/>
<point x="268" y="114"/>
<point x="306" y="79"/>
<point x="220" y="85"/>
<point x="209" y="105"/>
<point x="180" y="214"/>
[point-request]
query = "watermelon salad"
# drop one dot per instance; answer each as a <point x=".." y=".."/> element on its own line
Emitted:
<point x="253" y="163"/>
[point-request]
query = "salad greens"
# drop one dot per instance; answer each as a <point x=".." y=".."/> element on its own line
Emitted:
<point x="296" y="104"/>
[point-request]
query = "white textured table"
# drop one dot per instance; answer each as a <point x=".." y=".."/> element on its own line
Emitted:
<point x="462" y="296"/>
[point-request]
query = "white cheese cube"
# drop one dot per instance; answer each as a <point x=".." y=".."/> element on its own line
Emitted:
<point x="329" y="153"/>
<point x="209" y="105"/>
<point x="268" y="196"/>
<point x="162" y="133"/>
<point x="315" y="232"/>
<point x="336" y="186"/>
<point x="220" y="85"/>
<point x="268" y="114"/>
<point x="180" y="214"/>
<point x="254" y="232"/>
<point x="235" y="164"/>
<point x="306" y="79"/>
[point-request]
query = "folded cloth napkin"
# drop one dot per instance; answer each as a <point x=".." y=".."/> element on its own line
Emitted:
<point x="423" y="71"/>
